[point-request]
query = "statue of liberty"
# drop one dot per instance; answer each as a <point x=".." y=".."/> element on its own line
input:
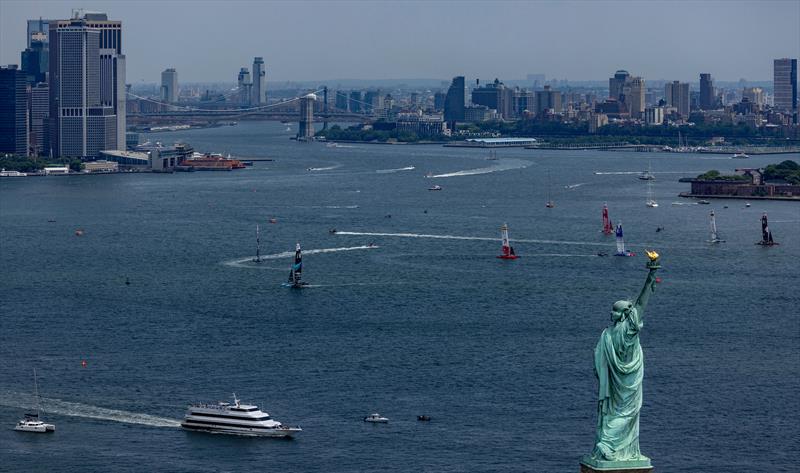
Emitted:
<point x="619" y="367"/>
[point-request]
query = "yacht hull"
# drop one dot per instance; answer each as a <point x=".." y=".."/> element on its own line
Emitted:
<point x="243" y="431"/>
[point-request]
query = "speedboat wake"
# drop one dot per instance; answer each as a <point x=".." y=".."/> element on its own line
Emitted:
<point x="67" y="408"/>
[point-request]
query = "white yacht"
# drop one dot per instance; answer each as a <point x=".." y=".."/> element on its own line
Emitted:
<point x="235" y="419"/>
<point x="31" y="422"/>
<point x="740" y="155"/>
<point x="376" y="419"/>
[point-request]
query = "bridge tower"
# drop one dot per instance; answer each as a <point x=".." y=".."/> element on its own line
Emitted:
<point x="305" y="131"/>
<point x="325" y="107"/>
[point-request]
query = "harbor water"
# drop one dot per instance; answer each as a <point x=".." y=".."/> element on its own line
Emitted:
<point x="157" y="304"/>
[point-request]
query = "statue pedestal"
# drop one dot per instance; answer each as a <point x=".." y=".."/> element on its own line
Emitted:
<point x="591" y="465"/>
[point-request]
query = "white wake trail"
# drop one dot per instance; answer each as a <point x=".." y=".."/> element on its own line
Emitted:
<point x="458" y="237"/>
<point x="240" y="262"/>
<point x="503" y="165"/>
<point x="74" y="409"/>
<point x="390" y="171"/>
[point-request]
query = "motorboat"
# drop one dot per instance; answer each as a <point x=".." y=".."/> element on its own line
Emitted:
<point x="32" y="421"/>
<point x="423" y="418"/>
<point x="376" y="419"/>
<point x="435" y="188"/>
<point x="740" y="155"/>
<point x="235" y="419"/>
<point x="703" y="202"/>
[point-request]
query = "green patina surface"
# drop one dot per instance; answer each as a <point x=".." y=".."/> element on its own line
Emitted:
<point x="619" y="367"/>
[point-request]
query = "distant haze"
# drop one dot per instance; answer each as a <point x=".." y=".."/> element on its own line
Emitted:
<point x="211" y="40"/>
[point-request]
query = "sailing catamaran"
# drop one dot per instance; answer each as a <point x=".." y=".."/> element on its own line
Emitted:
<point x="508" y="250"/>
<point x="296" y="272"/>
<point x="766" y="234"/>
<point x="714" y="235"/>
<point x="257" y="259"/>
<point x="621" y="251"/>
<point x="608" y="227"/>
<point x="32" y="422"/>
<point x="651" y="201"/>
<point x="550" y="204"/>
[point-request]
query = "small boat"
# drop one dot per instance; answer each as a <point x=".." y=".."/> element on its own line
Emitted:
<point x="621" y="251"/>
<point x="79" y="232"/>
<point x="376" y="419"/>
<point x="714" y="235"/>
<point x="332" y="231"/>
<point x="602" y="253"/>
<point x="550" y="204"/>
<point x="703" y="202"/>
<point x="740" y="155"/>
<point x="423" y="418"/>
<point x="273" y="220"/>
<point x="435" y="188"/>
<point x="296" y="271"/>
<point x="332" y="145"/>
<point x="508" y="250"/>
<point x="766" y="234"/>
<point x="747" y="204"/>
<point x="32" y="422"/>
<point x="235" y="419"/>
<point x="492" y="155"/>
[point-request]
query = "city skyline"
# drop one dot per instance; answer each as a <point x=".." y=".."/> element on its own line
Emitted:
<point x="413" y="40"/>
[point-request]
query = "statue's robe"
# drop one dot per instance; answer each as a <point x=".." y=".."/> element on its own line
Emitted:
<point x="619" y="366"/>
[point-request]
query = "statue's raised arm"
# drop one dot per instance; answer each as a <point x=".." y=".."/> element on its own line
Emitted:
<point x="649" y="284"/>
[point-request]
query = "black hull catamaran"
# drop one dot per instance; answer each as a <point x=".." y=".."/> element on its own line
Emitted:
<point x="296" y="272"/>
<point x="766" y="234"/>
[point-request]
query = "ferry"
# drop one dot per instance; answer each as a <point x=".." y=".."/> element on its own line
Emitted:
<point x="235" y="419"/>
<point x="212" y="162"/>
<point x="5" y="173"/>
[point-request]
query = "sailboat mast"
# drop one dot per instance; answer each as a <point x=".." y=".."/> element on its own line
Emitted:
<point x="713" y="227"/>
<point x="258" y="244"/>
<point x="36" y="394"/>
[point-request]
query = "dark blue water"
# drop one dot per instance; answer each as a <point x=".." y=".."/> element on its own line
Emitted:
<point x="498" y="353"/>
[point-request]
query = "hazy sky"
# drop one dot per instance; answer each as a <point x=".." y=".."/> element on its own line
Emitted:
<point x="578" y="40"/>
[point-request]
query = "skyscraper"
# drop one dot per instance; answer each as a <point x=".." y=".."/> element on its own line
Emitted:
<point x="245" y="84"/>
<point x="633" y="94"/>
<point x="34" y="61"/>
<point x="87" y="85"/>
<point x="355" y="101"/>
<point x="785" y="84"/>
<point x="548" y="99"/>
<point x="616" y="83"/>
<point x="496" y="96"/>
<point x="14" y="132"/>
<point x="40" y="119"/>
<point x="169" y="86"/>
<point x="306" y="129"/>
<point x="454" y="102"/>
<point x="259" y="82"/>
<point x="677" y="95"/>
<point x="707" y="96"/>
<point x="341" y="100"/>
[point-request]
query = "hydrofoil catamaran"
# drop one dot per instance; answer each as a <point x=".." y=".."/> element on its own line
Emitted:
<point x="714" y="235"/>
<point x="621" y="251"/>
<point x="608" y="227"/>
<point x="766" y="234"/>
<point x="296" y="272"/>
<point x="508" y="250"/>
